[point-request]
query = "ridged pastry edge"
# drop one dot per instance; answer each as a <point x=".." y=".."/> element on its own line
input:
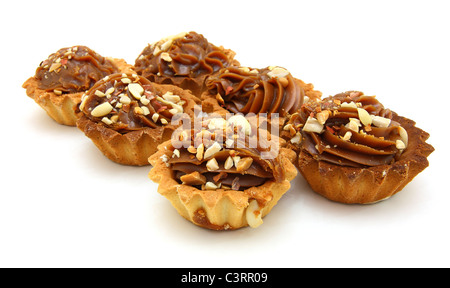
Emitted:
<point x="64" y="108"/>
<point x="221" y="209"/>
<point x="373" y="184"/>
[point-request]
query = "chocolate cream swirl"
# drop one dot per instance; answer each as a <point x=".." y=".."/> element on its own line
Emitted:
<point x="248" y="90"/>
<point x="186" y="54"/>
<point x="128" y="102"/>
<point x="213" y="162"/>
<point x="73" y="69"/>
<point x="352" y="129"/>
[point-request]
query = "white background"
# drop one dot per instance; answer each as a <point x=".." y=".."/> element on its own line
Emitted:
<point x="63" y="204"/>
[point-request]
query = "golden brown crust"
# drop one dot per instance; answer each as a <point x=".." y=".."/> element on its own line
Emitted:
<point x="368" y="185"/>
<point x="220" y="209"/>
<point x="133" y="148"/>
<point x="64" y="108"/>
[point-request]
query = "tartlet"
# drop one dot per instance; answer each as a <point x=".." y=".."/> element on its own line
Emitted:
<point x="355" y="151"/>
<point x="184" y="60"/>
<point x="127" y="116"/>
<point x="221" y="183"/>
<point x="61" y="80"/>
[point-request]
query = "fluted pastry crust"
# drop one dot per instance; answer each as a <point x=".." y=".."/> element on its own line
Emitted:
<point x="134" y="147"/>
<point x="370" y="184"/>
<point x="63" y="108"/>
<point x="221" y="209"/>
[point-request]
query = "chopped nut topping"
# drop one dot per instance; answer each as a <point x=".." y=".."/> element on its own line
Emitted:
<point x="192" y="149"/>
<point x="228" y="163"/>
<point x="403" y="135"/>
<point x="136" y="90"/>
<point x="212" y="150"/>
<point x="99" y="93"/>
<point x="240" y="122"/>
<point x="125" y="99"/>
<point x="277" y="72"/>
<point x="107" y="121"/>
<point x="200" y="150"/>
<point x="354" y="124"/>
<point x="347" y="136"/>
<point x="244" y="164"/>
<point x="364" y="116"/>
<point x="322" y="116"/>
<point x="126" y="80"/>
<point x="211" y="186"/>
<point x="155" y="117"/>
<point x="313" y="125"/>
<point x="176" y="152"/>
<point x="296" y="139"/>
<point x="194" y="178"/>
<point x="54" y="66"/>
<point x="166" y="57"/>
<point x="138" y="110"/>
<point x="102" y="110"/>
<point x="381" y="122"/>
<point x="253" y="214"/>
<point x="400" y="145"/>
<point x="212" y="164"/>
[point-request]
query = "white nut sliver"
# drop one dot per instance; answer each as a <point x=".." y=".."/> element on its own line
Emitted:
<point x="211" y="186"/>
<point x="236" y="160"/>
<point x="349" y="105"/>
<point x="216" y="147"/>
<point x="278" y="72"/>
<point x="253" y="214"/>
<point x="170" y="97"/>
<point x="217" y="123"/>
<point x="136" y="90"/>
<point x="296" y="139"/>
<point x="212" y="165"/>
<point x="102" y="110"/>
<point x="99" y="93"/>
<point x="354" y="124"/>
<point x="125" y="99"/>
<point x="313" y="125"/>
<point x="381" y="122"/>
<point x="364" y="116"/>
<point x="400" y="145"/>
<point x="176" y="153"/>
<point x="240" y="122"/>
<point x="228" y="163"/>
<point x="166" y="57"/>
<point x="200" y="151"/>
<point x="403" y="135"/>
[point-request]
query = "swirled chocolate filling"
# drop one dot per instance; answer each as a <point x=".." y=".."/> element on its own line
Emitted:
<point x="126" y="102"/>
<point x="352" y="129"/>
<point x="268" y="90"/>
<point x="186" y="54"/>
<point x="214" y="163"/>
<point x="73" y="69"/>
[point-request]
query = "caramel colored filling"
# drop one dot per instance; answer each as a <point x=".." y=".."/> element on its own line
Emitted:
<point x="210" y="165"/>
<point x="72" y="70"/>
<point x="186" y="54"/>
<point x="125" y="102"/>
<point x="268" y="90"/>
<point x="352" y="129"/>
